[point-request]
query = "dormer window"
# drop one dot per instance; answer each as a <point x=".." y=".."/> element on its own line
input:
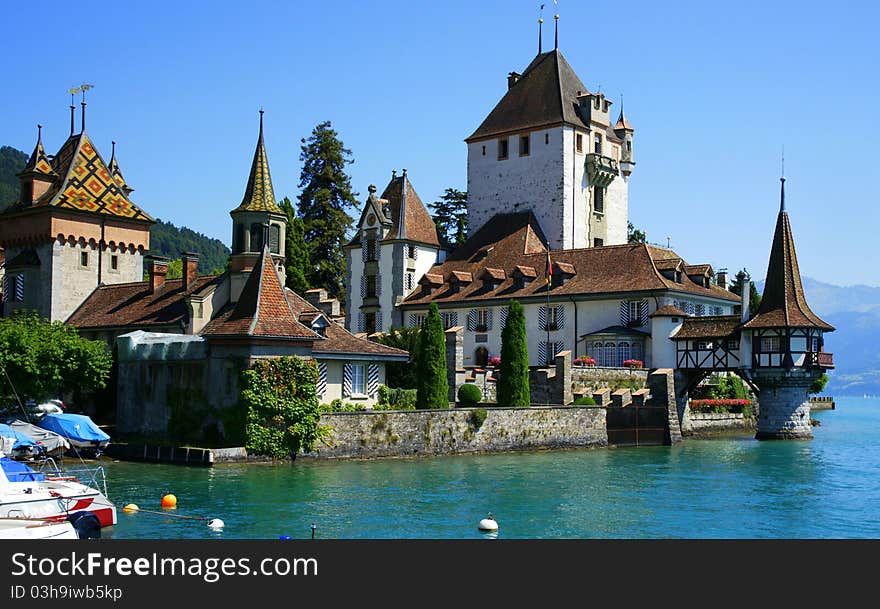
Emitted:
<point x="677" y="276"/>
<point x="523" y="276"/>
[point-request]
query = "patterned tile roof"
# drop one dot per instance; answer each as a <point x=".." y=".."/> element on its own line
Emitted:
<point x="262" y="309"/>
<point x="38" y="161"/>
<point x="337" y="339"/>
<point x="259" y="194"/>
<point x="511" y="242"/>
<point x="116" y="172"/>
<point x="85" y="183"/>
<point x="132" y="305"/>
<point x="783" y="303"/>
<point x="545" y="94"/>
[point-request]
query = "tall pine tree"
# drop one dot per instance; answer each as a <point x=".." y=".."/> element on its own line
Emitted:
<point x="513" y="386"/>
<point x="450" y="217"/>
<point x="736" y="286"/>
<point x="296" y="255"/>
<point x="432" y="390"/>
<point x="324" y="205"/>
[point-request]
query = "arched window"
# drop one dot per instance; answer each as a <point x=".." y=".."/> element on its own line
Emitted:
<point x="611" y="355"/>
<point x="256" y="237"/>
<point x="275" y="239"/>
<point x="622" y="353"/>
<point x="598" y="354"/>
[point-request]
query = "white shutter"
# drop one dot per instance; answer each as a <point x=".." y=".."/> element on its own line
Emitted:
<point x="372" y="379"/>
<point x="363" y="247"/>
<point x="322" y="379"/>
<point x="643" y="312"/>
<point x="19" y="288"/>
<point x="503" y="317"/>
<point x="560" y="317"/>
<point x="363" y="287"/>
<point x="412" y="320"/>
<point x="624" y="313"/>
<point x="346" y="380"/>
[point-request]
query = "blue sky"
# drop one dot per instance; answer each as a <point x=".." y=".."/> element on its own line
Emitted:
<point x="714" y="91"/>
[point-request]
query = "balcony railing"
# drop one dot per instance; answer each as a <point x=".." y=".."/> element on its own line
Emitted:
<point x="821" y="360"/>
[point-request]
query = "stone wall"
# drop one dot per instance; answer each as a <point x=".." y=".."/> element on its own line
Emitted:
<point x="709" y="422"/>
<point x="591" y="376"/>
<point x="435" y="432"/>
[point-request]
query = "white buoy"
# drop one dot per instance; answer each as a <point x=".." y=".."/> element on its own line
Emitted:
<point x="488" y="524"/>
<point x="216" y="523"/>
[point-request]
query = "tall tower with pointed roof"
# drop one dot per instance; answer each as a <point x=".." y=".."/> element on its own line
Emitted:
<point x="257" y="220"/>
<point x="549" y="147"/>
<point x="395" y="244"/>
<point x="73" y="228"/>
<point x="787" y="342"/>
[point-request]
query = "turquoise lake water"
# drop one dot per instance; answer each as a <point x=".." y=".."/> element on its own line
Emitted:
<point x="731" y="487"/>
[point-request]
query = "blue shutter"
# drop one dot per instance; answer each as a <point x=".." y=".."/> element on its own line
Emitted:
<point x="19" y="288"/>
<point x="560" y="317"/>
<point x="363" y="287"/>
<point x="503" y="317"/>
<point x="362" y="321"/>
<point x="378" y="285"/>
<point x="322" y="379"/>
<point x="643" y="312"/>
<point x="542" y="321"/>
<point x="542" y="353"/>
<point x="6" y="281"/>
<point x="378" y="247"/>
<point x="378" y="321"/>
<point x="624" y="313"/>
<point x="489" y="320"/>
<point x="472" y="320"/>
<point x="372" y="379"/>
<point x="363" y="247"/>
<point x="346" y="380"/>
<point x="412" y="320"/>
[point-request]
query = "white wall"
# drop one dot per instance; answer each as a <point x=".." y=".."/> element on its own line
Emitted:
<point x="335" y="381"/>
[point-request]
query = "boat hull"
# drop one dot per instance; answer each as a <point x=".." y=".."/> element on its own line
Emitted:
<point x="28" y="528"/>
<point x="55" y="502"/>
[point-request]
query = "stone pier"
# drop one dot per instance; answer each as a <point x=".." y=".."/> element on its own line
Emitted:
<point x="784" y="404"/>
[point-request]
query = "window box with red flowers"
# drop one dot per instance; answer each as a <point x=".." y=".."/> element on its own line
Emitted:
<point x="495" y="361"/>
<point x="633" y="363"/>
<point x="720" y="406"/>
<point x="584" y="361"/>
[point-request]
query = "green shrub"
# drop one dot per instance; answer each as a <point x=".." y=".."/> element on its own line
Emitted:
<point x="469" y="394"/>
<point x="383" y="394"/>
<point x="513" y="386"/>
<point x="585" y="401"/>
<point x="478" y="416"/>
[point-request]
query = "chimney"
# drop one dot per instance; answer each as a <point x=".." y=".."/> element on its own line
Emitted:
<point x="721" y="278"/>
<point x="157" y="268"/>
<point x="513" y="78"/>
<point x="190" y="268"/>
<point x="315" y="296"/>
<point x="746" y="288"/>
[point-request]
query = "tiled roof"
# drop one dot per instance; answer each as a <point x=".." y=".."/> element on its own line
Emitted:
<point x="668" y="264"/>
<point x="622" y="123"/>
<point x="718" y="326"/>
<point x="518" y="249"/>
<point x="38" y="161"/>
<point x="668" y="311"/>
<point x="262" y="309"/>
<point x="699" y="269"/>
<point x="132" y="305"/>
<point x="617" y="330"/>
<point x="410" y="219"/>
<point x="116" y="172"/>
<point x="337" y="339"/>
<point x="497" y="274"/>
<point x="565" y="268"/>
<point x="461" y="276"/>
<point x="783" y="303"/>
<point x="545" y="94"/>
<point x="259" y="194"/>
<point x="85" y="183"/>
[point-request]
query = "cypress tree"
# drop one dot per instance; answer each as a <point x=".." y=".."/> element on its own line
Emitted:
<point x="324" y="203"/>
<point x="296" y="254"/>
<point x="513" y="386"/>
<point x="433" y="387"/>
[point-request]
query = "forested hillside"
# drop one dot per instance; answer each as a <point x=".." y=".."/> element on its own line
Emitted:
<point x="12" y="161"/>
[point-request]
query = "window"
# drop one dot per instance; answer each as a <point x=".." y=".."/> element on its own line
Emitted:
<point x="84" y="259"/>
<point x="598" y="199"/>
<point x="700" y="310"/>
<point x="814" y="344"/>
<point x="484" y="151"/>
<point x="597" y="144"/>
<point x="370" y="323"/>
<point x="636" y="351"/>
<point x="623" y="352"/>
<point x="482" y="320"/>
<point x="275" y="239"/>
<point x="629" y="146"/>
<point x="611" y="356"/>
<point x="416" y="320"/>
<point x="579" y="142"/>
<point x="449" y="320"/>
<point x="598" y="242"/>
<point x="371" y="250"/>
<point x="552" y="318"/>
<point x="114" y="262"/>
<point x="703" y="345"/>
<point x="677" y="276"/>
<point x="358" y="379"/>
<point x="502" y="149"/>
<point x="524" y="142"/>
<point x="598" y="353"/>
<point x="256" y="238"/>
<point x="770" y="344"/>
<point x="546" y="138"/>
<point x="635" y="314"/>
<point x="732" y="344"/>
<point x="371" y="286"/>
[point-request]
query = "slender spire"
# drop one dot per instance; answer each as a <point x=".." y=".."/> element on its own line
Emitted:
<point x="782" y="183"/>
<point x="39" y="134"/>
<point x="556" y="33"/>
<point x="540" y="29"/>
<point x="259" y="194"/>
<point x="73" y="92"/>
<point x="82" y="127"/>
<point x="622" y="123"/>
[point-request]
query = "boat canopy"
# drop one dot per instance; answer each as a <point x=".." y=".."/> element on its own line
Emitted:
<point x="49" y="440"/>
<point x="21" y="440"/>
<point x="74" y="427"/>
<point x="19" y="472"/>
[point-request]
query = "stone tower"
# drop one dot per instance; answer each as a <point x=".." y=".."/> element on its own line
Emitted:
<point x="257" y="220"/>
<point x="73" y="228"/>
<point x="786" y="343"/>
<point x="395" y="244"/>
<point x="549" y="147"/>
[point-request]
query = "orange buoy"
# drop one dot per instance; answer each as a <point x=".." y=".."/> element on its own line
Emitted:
<point x="169" y="501"/>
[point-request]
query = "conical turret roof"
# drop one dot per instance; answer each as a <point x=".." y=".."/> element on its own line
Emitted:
<point x="39" y="162"/>
<point x="783" y="303"/>
<point x="259" y="194"/>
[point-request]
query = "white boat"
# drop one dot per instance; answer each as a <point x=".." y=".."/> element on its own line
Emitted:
<point x="53" y="495"/>
<point x="30" y="528"/>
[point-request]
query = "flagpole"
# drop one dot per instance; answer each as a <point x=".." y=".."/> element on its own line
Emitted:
<point x="549" y="277"/>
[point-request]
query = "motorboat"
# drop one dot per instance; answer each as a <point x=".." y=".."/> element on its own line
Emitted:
<point x="51" y="494"/>
<point x="78" y="429"/>
<point x="50" y="442"/>
<point x="32" y="528"/>
<point x="21" y="444"/>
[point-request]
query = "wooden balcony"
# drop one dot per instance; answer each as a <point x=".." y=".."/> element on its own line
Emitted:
<point x="821" y="360"/>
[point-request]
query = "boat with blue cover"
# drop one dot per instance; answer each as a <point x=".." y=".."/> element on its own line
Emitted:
<point x="78" y="429"/>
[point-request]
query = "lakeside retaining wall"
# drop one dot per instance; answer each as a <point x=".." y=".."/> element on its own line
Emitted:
<point x="435" y="432"/>
<point x="710" y="422"/>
